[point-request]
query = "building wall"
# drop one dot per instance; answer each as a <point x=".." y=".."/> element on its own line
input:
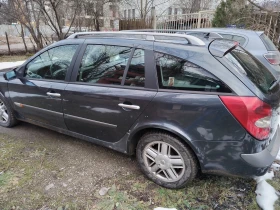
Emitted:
<point x="131" y="8"/>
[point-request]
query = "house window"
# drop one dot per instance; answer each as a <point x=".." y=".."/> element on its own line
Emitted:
<point x="170" y="11"/>
<point x="176" y="11"/>
<point x="124" y="13"/>
<point x="112" y="23"/>
<point x="129" y="13"/>
<point x="113" y="10"/>
<point x="133" y="13"/>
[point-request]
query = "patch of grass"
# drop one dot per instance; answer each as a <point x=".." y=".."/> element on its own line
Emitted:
<point x="27" y="168"/>
<point x="12" y="58"/>
<point x="122" y="200"/>
<point x="205" y="193"/>
<point x="4" y="179"/>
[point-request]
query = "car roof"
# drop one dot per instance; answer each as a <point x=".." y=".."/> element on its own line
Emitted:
<point x="229" y="30"/>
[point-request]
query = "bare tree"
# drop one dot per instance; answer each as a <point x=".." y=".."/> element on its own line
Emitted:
<point x="192" y="6"/>
<point x="27" y="14"/>
<point x="144" y="7"/>
<point x="96" y="10"/>
<point x="55" y="12"/>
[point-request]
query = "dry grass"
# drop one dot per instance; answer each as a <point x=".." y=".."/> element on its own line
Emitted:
<point x="27" y="167"/>
<point x="7" y="58"/>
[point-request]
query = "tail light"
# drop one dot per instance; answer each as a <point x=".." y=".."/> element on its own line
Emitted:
<point x="253" y="114"/>
<point x="273" y="58"/>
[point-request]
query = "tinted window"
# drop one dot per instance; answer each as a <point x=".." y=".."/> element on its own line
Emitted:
<point x="52" y="64"/>
<point x="268" y="43"/>
<point x="103" y="64"/>
<point x="136" y="72"/>
<point x="239" y="39"/>
<point x="176" y="73"/>
<point x="252" y="68"/>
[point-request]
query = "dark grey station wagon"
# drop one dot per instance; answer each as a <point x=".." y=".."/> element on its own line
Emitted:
<point x="180" y="105"/>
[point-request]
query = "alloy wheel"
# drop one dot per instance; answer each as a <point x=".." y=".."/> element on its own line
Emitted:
<point x="164" y="161"/>
<point x="4" y="117"/>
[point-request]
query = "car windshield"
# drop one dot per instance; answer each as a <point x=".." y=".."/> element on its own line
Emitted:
<point x="246" y="64"/>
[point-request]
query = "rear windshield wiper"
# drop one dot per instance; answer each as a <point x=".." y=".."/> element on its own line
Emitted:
<point x="273" y="84"/>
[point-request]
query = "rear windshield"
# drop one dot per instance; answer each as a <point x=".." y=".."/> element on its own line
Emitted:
<point x="239" y="39"/>
<point x="268" y="43"/>
<point x="246" y="64"/>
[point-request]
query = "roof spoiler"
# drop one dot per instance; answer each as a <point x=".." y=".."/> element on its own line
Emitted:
<point x="221" y="47"/>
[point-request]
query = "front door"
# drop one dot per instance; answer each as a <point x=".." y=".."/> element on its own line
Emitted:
<point x="37" y="96"/>
<point x="109" y="92"/>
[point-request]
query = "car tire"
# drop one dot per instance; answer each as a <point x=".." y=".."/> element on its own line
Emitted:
<point x="5" y="107"/>
<point x="165" y="160"/>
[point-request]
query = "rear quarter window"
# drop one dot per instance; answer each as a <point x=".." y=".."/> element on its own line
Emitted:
<point x="179" y="74"/>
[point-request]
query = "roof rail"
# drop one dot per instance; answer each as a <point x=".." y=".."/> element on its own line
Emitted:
<point x="142" y="35"/>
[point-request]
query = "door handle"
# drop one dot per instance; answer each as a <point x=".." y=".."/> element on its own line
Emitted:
<point x="53" y="94"/>
<point x="127" y="106"/>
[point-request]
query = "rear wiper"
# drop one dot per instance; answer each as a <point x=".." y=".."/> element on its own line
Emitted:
<point x="273" y="84"/>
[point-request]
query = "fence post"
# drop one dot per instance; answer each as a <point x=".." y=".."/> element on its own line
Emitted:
<point x="199" y="19"/>
<point x="154" y="18"/>
<point x="7" y="39"/>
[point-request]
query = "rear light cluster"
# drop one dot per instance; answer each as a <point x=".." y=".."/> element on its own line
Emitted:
<point x="273" y="58"/>
<point x="252" y="113"/>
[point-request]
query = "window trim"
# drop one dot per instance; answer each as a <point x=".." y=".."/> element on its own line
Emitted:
<point x="189" y="91"/>
<point x="69" y="70"/>
<point x="80" y="57"/>
<point x="196" y="92"/>
<point x="127" y="66"/>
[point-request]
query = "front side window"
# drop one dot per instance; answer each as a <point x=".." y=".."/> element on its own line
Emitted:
<point x="52" y="64"/>
<point x="103" y="64"/>
<point x="179" y="74"/>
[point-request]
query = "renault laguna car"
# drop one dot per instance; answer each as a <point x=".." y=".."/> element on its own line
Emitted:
<point x="180" y="105"/>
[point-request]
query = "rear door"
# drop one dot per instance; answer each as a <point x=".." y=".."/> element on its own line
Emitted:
<point x="110" y="87"/>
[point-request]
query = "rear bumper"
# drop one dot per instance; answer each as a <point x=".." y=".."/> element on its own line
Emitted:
<point x="244" y="159"/>
<point x="266" y="157"/>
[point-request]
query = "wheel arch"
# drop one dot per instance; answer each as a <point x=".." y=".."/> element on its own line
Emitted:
<point x="136" y="136"/>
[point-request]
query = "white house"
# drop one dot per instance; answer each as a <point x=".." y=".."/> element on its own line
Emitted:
<point x="134" y="8"/>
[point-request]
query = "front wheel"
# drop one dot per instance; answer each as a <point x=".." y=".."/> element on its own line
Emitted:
<point x="7" y="118"/>
<point x="166" y="160"/>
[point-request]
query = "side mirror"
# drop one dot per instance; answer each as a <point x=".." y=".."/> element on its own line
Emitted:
<point x="10" y="75"/>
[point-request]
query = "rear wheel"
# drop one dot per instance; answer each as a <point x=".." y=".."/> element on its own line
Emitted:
<point x="7" y="118"/>
<point x="166" y="160"/>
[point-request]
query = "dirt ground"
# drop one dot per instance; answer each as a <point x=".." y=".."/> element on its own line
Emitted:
<point x="42" y="169"/>
<point x="8" y="58"/>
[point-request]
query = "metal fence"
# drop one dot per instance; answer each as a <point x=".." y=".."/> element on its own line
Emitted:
<point x="202" y="19"/>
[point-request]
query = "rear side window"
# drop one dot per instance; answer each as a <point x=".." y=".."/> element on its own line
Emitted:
<point x="136" y="72"/>
<point x="179" y="74"/>
<point x="252" y="68"/>
<point x="104" y="64"/>
<point x="268" y="43"/>
<point x="239" y="39"/>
